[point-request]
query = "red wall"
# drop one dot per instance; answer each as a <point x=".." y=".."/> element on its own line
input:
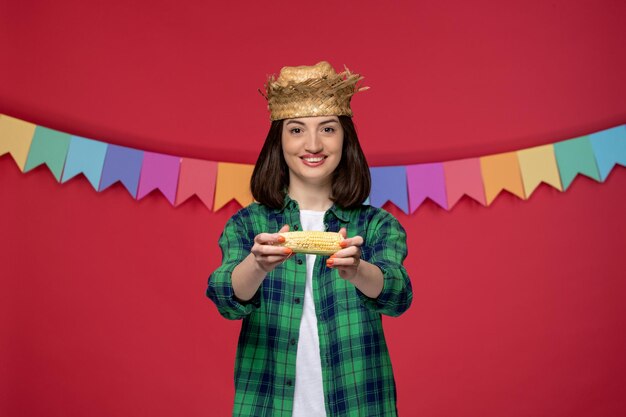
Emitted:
<point x="518" y="307"/>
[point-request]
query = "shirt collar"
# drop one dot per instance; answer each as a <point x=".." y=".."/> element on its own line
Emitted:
<point x="339" y="212"/>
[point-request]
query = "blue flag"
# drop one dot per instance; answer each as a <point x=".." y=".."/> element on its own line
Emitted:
<point x="85" y="156"/>
<point x="389" y="184"/>
<point x="609" y="147"/>
<point x="122" y="164"/>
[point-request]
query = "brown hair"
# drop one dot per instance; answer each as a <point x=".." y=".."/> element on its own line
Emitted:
<point x="351" y="179"/>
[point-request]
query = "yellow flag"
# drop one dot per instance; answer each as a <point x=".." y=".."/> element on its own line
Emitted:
<point x="501" y="172"/>
<point x="539" y="165"/>
<point x="233" y="182"/>
<point x="15" y="138"/>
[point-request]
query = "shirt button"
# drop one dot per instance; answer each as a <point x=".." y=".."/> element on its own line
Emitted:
<point x="292" y="341"/>
<point x="299" y="261"/>
<point x="295" y="227"/>
<point x="296" y="300"/>
<point x="289" y="382"/>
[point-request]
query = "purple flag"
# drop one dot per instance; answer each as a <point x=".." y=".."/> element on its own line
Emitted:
<point x="426" y="181"/>
<point x="389" y="184"/>
<point x="121" y="164"/>
<point x="159" y="171"/>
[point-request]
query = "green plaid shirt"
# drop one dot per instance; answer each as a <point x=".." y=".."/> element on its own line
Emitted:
<point x="356" y="369"/>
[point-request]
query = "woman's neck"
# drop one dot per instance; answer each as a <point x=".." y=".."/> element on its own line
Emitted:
<point x="310" y="196"/>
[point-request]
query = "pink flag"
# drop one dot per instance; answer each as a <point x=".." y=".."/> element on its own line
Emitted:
<point x="463" y="177"/>
<point x="159" y="171"/>
<point x="426" y="181"/>
<point x="197" y="177"/>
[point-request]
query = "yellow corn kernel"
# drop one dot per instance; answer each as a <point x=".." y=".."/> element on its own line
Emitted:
<point x="314" y="243"/>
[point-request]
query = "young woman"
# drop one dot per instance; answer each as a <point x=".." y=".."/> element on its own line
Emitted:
<point x="311" y="341"/>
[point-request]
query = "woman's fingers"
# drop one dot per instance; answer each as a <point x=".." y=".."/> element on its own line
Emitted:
<point x="271" y="238"/>
<point x="353" y="241"/>
<point x="267" y="253"/>
<point x="347" y="259"/>
<point x="268" y="238"/>
<point x="268" y="256"/>
<point x="268" y="250"/>
<point x="347" y="252"/>
<point x="338" y="262"/>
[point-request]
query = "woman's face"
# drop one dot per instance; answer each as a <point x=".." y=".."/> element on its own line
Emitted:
<point x="312" y="148"/>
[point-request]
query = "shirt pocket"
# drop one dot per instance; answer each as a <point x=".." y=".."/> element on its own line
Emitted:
<point x="346" y="297"/>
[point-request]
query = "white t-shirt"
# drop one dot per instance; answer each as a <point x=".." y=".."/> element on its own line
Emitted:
<point x="309" y="390"/>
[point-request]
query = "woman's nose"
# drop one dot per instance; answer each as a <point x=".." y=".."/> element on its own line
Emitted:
<point x="313" y="143"/>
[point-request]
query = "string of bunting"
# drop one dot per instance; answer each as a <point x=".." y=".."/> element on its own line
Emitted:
<point x="217" y="183"/>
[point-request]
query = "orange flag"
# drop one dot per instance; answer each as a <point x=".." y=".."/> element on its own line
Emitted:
<point x="501" y="172"/>
<point x="233" y="182"/>
<point x="538" y="165"/>
<point x="15" y="138"/>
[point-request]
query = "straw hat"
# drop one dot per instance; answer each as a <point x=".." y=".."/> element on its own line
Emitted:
<point x="306" y="91"/>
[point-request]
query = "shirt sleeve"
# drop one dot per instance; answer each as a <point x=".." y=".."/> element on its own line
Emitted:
<point x="235" y="243"/>
<point x="386" y="248"/>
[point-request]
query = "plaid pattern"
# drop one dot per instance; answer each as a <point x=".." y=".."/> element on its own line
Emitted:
<point x="356" y="368"/>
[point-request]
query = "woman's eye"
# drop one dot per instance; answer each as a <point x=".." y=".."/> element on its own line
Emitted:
<point x="329" y="129"/>
<point x="295" y="130"/>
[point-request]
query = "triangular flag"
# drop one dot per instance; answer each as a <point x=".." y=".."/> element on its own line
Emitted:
<point x="85" y="156"/>
<point x="426" y="181"/>
<point x="233" y="182"/>
<point x="197" y="177"/>
<point x="48" y="147"/>
<point x="575" y="156"/>
<point x="122" y="164"/>
<point x="15" y="138"/>
<point x="609" y="147"/>
<point x="538" y="165"/>
<point x="501" y="172"/>
<point x="159" y="171"/>
<point x="464" y="177"/>
<point x="389" y="184"/>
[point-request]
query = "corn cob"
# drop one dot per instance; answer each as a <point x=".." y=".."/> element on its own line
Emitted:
<point x="315" y="243"/>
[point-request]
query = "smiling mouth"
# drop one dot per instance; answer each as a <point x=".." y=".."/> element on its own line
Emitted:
<point x="314" y="160"/>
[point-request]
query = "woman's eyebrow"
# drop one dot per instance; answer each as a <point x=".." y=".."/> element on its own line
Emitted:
<point x="328" y="121"/>
<point x="295" y="122"/>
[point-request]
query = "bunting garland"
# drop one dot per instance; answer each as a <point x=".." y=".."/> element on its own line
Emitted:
<point x="217" y="183"/>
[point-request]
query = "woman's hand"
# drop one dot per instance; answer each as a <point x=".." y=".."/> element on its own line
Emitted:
<point x="348" y="259"/>
<point x="266" y="255"/>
